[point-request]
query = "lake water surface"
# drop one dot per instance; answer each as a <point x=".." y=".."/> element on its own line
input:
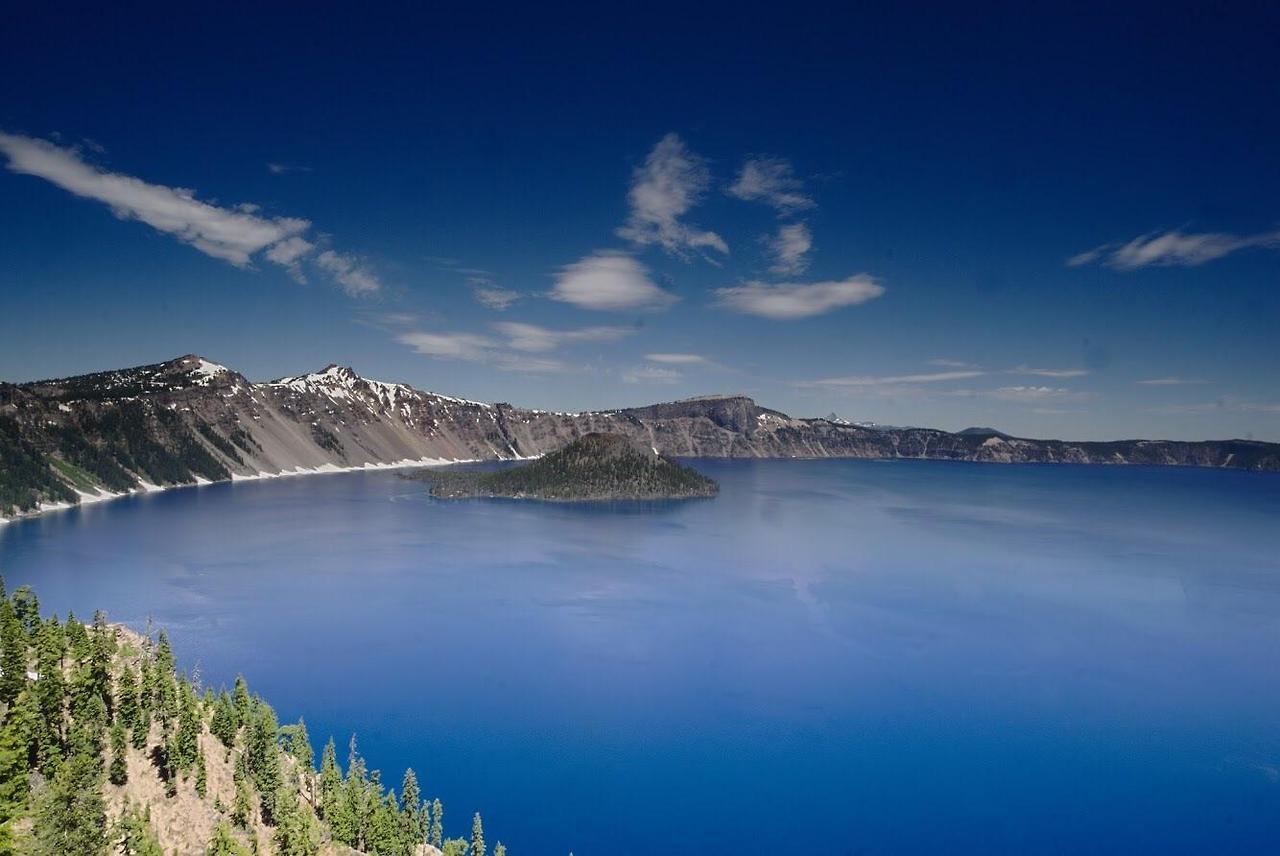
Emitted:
<point x="838" y="657"/>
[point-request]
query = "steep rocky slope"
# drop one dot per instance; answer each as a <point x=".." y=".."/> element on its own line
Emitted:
<point x="189" y="420"/>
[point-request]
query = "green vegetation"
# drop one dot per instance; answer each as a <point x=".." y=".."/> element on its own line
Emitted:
<point x="151" y="441"/>
<point x="222" y="444"/>
<point x="26" y="474"/>
<point x="106" y="747"/>
<point x="593" y="467"/>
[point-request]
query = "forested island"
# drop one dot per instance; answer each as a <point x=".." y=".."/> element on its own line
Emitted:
<point x="105" y="747"/>
<point x="594" y="467"/>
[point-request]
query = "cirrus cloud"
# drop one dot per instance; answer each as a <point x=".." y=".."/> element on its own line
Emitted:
<point x="791" y="248"/>
<point x="790" y="301"/>
<point x="651" y="374"/>
<point x="670" y="182"/>
<point x="770" y="180"/>
<point x="235" y="234"/>
<point x="1171" y="381"/>
<point x="1173" y="249"/>
<point x="856" y="381"/>
<point x="533" y="338"/>
<point x="677" y="359"/>
<point x="1034" y="393"/>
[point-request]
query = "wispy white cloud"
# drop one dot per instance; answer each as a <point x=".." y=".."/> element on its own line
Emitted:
<point x="855" y="381"/>
<point x="609" y="281"/>
<point x="280" y="168"/>
<point x="236" y="234"/>
<point x="355" y="279"/>
<point x="790" y="248"/>
<point x="1034" y="393"/>
<point x="1055" y="373"/>
<point x="1171" y="381"/>
<point x="651" y="374"/>
<point x="789" y="301"/>
<point x="1173" y="249"/>
<point x="670" y="182"/>
<point x="475" y="348"/>
<point x="953" y="364"/>
<point x="513" y="346"/>
<point x="484" y="285"/>
<point x="495" y="297"/>
<point x="288" y="253"/>
<point x="533" y="338"/>
<point x="773" y="181"/>
<point x="226" y="234"/>
<point x="677" y="359"/>
<point x="449" y="346"/>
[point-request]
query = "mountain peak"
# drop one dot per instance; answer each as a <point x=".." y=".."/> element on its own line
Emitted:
<point x="197" y="364"/>
<point x="337" y="372"/>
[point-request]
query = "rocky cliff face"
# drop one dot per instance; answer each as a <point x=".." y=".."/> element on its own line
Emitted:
<point x="190" y="420"/>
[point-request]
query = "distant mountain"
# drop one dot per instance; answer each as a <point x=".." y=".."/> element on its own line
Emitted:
<point x="189" y="421"/>
<point x="593" y="467"/>
<point x="983" y="432"/>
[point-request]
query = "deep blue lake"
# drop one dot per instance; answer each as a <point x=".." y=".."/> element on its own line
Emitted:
<point x="839" y="657"/>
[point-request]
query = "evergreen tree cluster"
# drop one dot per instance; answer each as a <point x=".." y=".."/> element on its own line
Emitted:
<point x="27" y="475"/>
<point x="76" y="703"/>
<point x="593" y="467"/>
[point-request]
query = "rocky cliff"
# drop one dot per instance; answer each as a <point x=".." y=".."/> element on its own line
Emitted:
<point x="190" y="420"/>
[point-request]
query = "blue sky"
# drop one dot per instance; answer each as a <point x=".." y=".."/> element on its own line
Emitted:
<point x="1056" y="224"/>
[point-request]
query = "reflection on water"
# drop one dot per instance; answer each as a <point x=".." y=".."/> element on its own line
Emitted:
<point x="842" y="656"/>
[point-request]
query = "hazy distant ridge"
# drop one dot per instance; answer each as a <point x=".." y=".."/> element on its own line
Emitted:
<point x="190" y="420"/>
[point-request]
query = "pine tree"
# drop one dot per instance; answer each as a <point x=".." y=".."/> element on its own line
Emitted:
<point x="127" y="700"/>
<point x="499" y="850"/>
<point x="297" y="743"/>
<point x="242" y="810"/>
<point x="202" y="775"/>
<point x="477" y="836"/>
<point x="169" y="764"/>
<point x="13" y="654"/>
<point x="330" y="784"/>
<point x="17" y="737"/>
<point x="147" y="688"/>
<point x="297" y="833"/>
<point x="164" y="671"/>
<point x="49" y="695"/>
<point x="242" y="701"/>
<point x="224" y="843"/>
<point x="411" y="832"/>
<point x="77" y="639"/>
<point x="225" y="720"/>
<point x="142" y="731"/>
<point x="384" y="824"/>
<point x="118" y="772"/>
<point x="187" y="740"/>
<point x="437" y="824"/>
<point x="355" y="798"/>
<point x="133" y="834"/>
<point x="102" y="647"/>
<point x="263" y="756"/>
<point x="70" y="814"/>
<point x="27" y="607"/>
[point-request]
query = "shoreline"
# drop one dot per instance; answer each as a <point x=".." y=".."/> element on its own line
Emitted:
<point x="145" y="487"/>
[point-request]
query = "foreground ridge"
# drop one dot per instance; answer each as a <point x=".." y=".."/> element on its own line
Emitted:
<point x="192" y="421"/>
<point x="106" y="747"/>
